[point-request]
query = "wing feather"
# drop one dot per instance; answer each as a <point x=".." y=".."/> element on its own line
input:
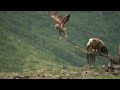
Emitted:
<point x="66" y="18"/>
<point x="55" y="17"/>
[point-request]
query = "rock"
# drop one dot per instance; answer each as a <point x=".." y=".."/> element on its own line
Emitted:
<point x="117" y="67"/>
<point x="47" y="76"/>
<point x="62" y="77"/>
<point x="86" y="73"/>
<point x="21" y="77"/>
<point x="65" y="67"/>
<point x="88" y="67"/>
<point x="104" y="67"/>
<point x="116" y="72"/>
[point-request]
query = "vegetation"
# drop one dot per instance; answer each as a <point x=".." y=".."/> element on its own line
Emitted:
<point x="61" y="73"/>
<point x="28" y="39"/>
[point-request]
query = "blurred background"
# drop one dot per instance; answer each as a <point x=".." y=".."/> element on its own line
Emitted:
<point x="28" y="39"/>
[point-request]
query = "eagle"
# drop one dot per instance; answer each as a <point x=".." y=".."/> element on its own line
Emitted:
<point x="97" y="46"/>
<point x="60" y="22"/>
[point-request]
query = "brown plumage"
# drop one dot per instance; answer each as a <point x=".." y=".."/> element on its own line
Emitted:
<point x="97" y="46"/>
<point x="60" y="22"/>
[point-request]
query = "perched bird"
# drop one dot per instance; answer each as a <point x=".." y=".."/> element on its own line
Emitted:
<point x="97" y="46"/>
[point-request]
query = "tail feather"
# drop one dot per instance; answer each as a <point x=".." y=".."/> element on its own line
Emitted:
<point x="104" y="50"/>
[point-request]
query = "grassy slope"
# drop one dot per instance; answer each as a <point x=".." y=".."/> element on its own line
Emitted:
<point x="28" y="40"/>
<point x="70" y="73"/>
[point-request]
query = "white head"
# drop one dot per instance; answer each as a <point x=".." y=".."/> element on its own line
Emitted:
<point x="90" y="40"/>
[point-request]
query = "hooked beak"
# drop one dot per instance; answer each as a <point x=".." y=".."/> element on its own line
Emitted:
<point x="87" y="47"/>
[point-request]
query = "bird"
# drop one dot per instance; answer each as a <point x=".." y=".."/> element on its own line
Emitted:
<point x="95" y="45"/>
<point x="60" y="22"/>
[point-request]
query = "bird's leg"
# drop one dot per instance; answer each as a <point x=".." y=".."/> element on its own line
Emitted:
<point x="55" y="28"/>
<point x="65" y="28"/>
<point x="60" y="37"/>
<point x="62" y="25"/>
<point x="66" y="35"/>
<point x="60" y="34"/>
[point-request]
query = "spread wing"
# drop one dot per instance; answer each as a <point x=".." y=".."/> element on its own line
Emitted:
<point x="66" y="19"/>
<point x="57" y="18"/>
<point x="52" y="12"/>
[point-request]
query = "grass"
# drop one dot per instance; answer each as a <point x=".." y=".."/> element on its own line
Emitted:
<point x="28" y="41"/>
<point x="52" y="73"/>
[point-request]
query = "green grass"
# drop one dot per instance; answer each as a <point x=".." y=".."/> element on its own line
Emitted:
<point x="58" y="73"/>
<point x="28" y="40"/>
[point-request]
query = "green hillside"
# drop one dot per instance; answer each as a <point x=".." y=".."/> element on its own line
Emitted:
<point x="28" y="39"/>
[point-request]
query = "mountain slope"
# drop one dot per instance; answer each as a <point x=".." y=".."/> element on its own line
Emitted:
<point x="28" y="39"/>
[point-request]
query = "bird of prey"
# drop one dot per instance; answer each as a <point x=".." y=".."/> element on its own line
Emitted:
<point x="95" y="45"/>
<point x="60" y="22"/>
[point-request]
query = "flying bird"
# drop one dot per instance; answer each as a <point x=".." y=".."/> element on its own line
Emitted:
<point x="60" y="22"/>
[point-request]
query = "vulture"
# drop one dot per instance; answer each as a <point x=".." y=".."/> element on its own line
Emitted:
<point x="60" y="22"/>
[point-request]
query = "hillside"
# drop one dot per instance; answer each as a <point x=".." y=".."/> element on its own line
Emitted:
<point x="63" y="73"/>
<point x="28" y="39"/>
